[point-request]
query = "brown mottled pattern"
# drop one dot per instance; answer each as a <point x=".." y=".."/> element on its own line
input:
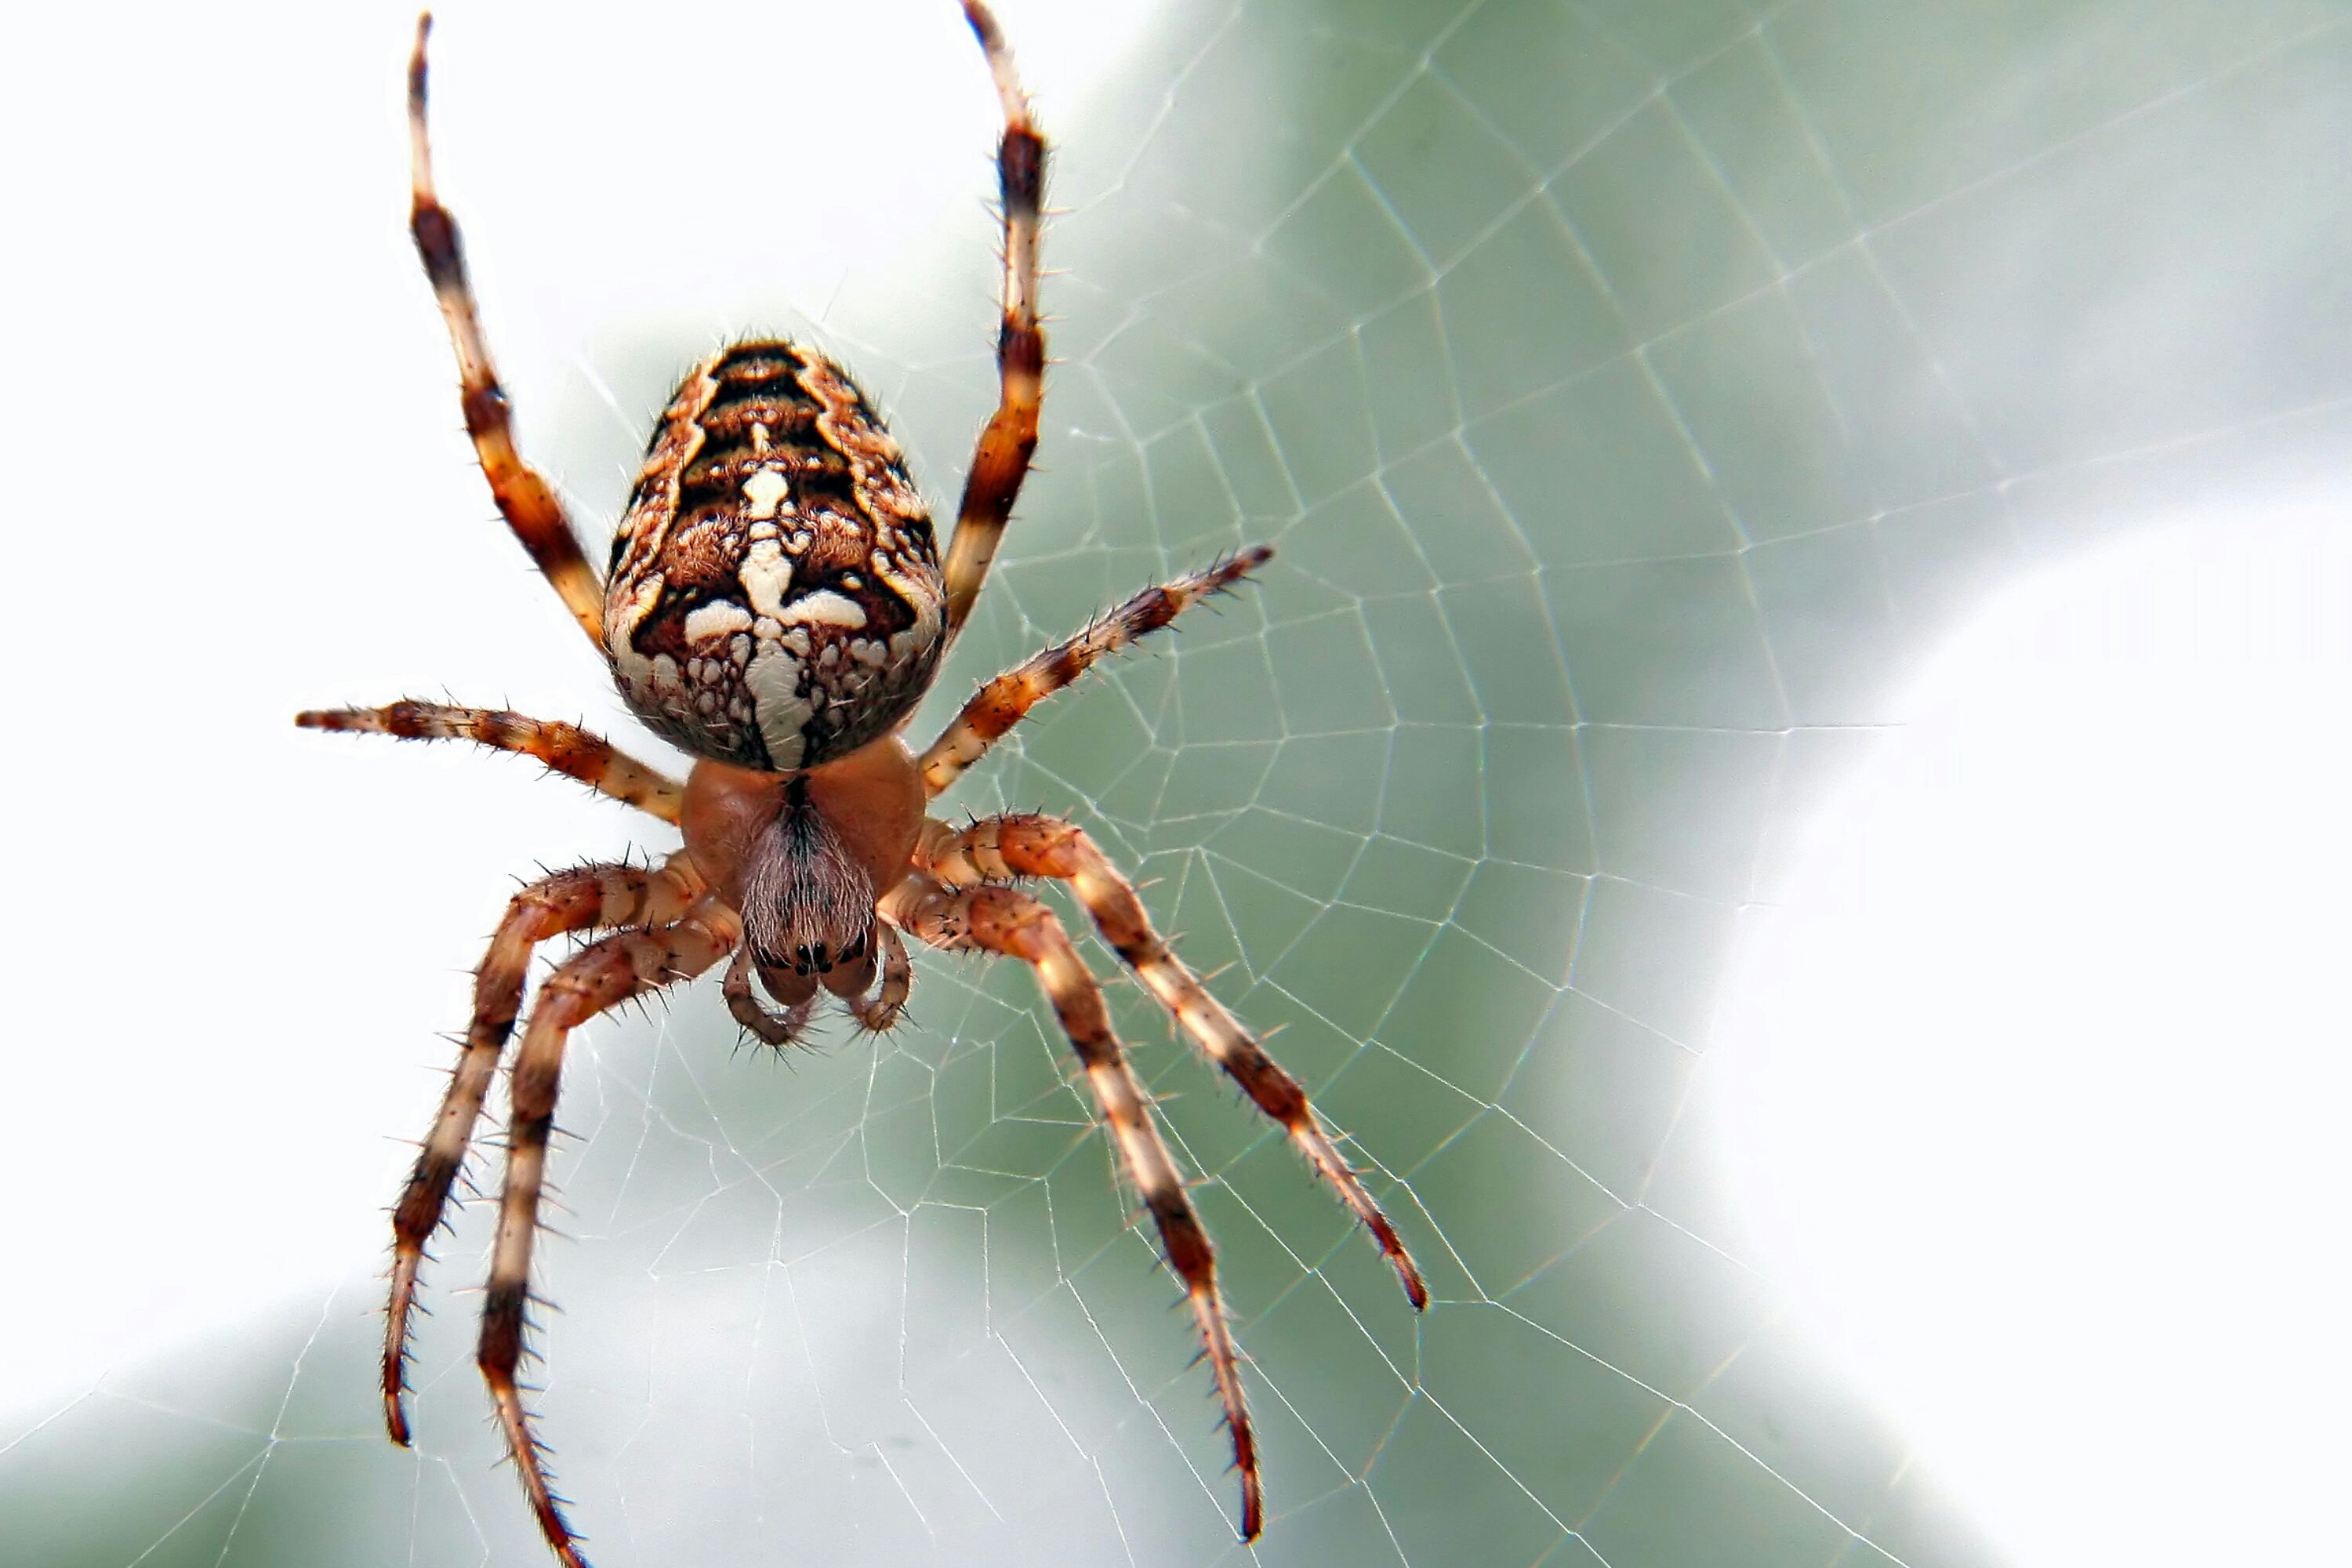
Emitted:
<point x="878" y="482"/>
<point x="770" y="444"/>
<point x="644" y="527"/>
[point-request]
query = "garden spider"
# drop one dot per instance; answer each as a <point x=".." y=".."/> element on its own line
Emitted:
<point x="775" y="606"/>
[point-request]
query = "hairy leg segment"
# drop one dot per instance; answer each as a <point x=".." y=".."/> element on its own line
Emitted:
<point x="588" y="898"/>
<point x="566" y="749"/>
<point x="999" y="462"/>
<point x="1007" y="848"/>
<point x="1004" y="701"/>
<point x="1005" y="920"/>
<point x="524" y="499"/>
<point x="596" y="978"/>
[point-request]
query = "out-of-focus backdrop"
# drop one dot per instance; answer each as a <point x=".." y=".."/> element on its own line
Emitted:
<point x="1787" y="782"/>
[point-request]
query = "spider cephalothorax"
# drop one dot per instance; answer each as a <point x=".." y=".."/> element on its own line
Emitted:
<point x="776" y="604"/>
<point x="804" y="856"/>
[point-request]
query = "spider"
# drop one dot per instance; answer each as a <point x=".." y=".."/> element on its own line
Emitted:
<point x="775" y="606"/>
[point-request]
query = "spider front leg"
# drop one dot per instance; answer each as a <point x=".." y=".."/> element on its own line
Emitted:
<point x="524" y="499"/>
<point x="1004" y="701"/>
<point x="1004" y="848"/>
<point x="598" y="978"/>
<point x="581" y="899"/>
<point x="1003" y="921"/>
<point x="1000" y="460"/>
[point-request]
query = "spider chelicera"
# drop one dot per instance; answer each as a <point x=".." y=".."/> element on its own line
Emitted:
<point x="775" y="606"/>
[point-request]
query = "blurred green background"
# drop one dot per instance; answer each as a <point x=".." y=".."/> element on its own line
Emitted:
<point x="1636" y="394"/>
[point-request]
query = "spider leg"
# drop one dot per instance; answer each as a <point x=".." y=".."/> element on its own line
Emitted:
<point x="566" y="749"/>
<point x="590" y="981"/>
<point x="1005" y="921"/>
<point x="1002" y="849"/>
<point x="1004" y="701"/>
<point x="580" y="899"/>
<point x="523" y="497"/>
<point x="1000" y="460"/>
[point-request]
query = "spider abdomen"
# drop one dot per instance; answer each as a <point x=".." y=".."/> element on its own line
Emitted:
<point x="775" y="599"/>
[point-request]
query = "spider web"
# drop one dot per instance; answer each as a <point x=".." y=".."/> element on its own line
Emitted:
<point x="1637" y="396"/>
